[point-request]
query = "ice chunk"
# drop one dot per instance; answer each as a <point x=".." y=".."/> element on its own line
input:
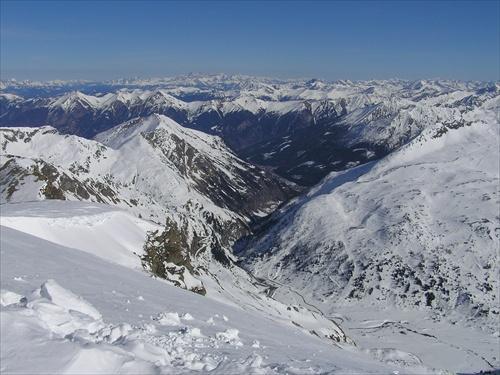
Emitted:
<point x="169" y="319"/>
<point x="230" y="336"/>
<point x="10" y="298"/>
<point x="66" y="299"/>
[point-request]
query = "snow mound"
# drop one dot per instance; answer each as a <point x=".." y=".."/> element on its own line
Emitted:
<point x="64" y="298"/>
<point x="169" y="319"/>
<point x="395" y="356"/>
<point x="10" y="298"/>
<point x="229" y="336"/>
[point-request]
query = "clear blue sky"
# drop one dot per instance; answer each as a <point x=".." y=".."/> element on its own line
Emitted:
<point x="330" y="40"/>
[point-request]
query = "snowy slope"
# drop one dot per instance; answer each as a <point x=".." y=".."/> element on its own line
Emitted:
<point x="71" y="296"/>
<point x="118" y="237"/>
<point x="102" y="318"/>
<point x="435" y="197"/>
<point x="105" y="231"/>
<point x="417" y="231"/>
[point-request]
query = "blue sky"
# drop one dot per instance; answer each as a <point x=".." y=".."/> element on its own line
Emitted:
<point x="330" y="40"/>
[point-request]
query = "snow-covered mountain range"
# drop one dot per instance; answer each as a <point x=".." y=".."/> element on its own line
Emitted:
<point x="302" y="129"/>
<point x="391" y="249"/>
<point x="197" y="196"/>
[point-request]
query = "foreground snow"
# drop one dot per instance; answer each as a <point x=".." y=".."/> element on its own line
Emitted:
<point x="67" y="311"/>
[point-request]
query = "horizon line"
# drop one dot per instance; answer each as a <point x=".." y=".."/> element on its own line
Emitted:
<point x="236" y="75"/>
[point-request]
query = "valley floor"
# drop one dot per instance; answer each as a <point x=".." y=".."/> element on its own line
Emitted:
<point x="436" y="343"/>
<point x="410" y="337"/>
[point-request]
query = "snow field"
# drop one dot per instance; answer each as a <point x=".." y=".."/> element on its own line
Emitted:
<point x="67" y="311"/>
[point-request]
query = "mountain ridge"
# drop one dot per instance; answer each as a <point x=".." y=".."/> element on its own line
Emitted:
<point x="277" y="124"/>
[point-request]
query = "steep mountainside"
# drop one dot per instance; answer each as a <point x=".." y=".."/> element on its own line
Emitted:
<point x="417" y="230"/>
<point x="154" y="168"/>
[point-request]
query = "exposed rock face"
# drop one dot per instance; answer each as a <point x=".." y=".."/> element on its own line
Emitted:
<point x="170" y="255"/>
<point x="242" y="195"/>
